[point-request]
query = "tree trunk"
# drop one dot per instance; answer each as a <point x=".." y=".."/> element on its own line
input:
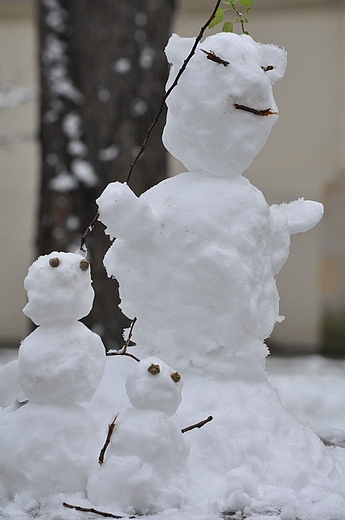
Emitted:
<point x="103" y="72"/>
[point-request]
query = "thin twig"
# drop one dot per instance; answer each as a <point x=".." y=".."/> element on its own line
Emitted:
<point x="107" y="440"/>
<point x="239" y="16"/>
<point x="173" y="85"/>
<point x="87" y="231"/>
<point x="197" y="425"/>
<point x="265" y="112"/>
<point x="120" y="353"/>
<point x="160" y="110"/>
<point x="95" y="511"/>
<point x="123" y="351"/>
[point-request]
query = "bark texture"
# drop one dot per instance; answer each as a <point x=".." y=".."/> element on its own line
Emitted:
<point x="103" y="72"/>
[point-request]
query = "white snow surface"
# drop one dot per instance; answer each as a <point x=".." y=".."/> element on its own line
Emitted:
<point x="311" y="388"/>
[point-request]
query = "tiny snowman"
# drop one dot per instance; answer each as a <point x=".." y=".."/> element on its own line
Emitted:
<point x="46" y="445"/>
<point x="145" y="465"/>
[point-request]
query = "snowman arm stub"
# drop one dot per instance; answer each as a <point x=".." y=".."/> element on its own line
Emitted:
<point x="301" y="215"/>
<point x="123" y="213"/>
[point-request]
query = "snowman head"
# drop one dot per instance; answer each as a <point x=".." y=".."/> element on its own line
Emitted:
<point x="59" y="288"/>
<point x="222" y="110"/>
<point x="154" y="385"/>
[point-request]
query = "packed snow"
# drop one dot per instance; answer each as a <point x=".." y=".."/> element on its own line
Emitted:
<point x="196" y="258"/>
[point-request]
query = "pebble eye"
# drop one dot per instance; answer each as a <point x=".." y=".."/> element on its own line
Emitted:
<point x="176" y="377"/>
<point x="154" y="369"/>
<point x="84" y="265"/>
<point x="54" y="262"/>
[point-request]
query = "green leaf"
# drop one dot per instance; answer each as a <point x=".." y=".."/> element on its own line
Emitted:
<point x="245" y="3"/>
<point x="228" y="27"/>
<point x="218" y="17"/>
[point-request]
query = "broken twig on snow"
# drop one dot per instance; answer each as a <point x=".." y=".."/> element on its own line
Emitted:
<point x="95" y="511"/>
<point x="197" y="425"/>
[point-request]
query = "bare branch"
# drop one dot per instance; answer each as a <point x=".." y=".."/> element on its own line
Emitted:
<point x="197" y="425"/>
<point x="107" y="440"/>
<point x="87" y="231"/>
<point x="160" y="110"/>
<point x="123" y="351"/>
<point x="173" y="85"/>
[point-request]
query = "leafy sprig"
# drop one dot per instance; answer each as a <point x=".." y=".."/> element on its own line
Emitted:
<point x="230" y="5"/>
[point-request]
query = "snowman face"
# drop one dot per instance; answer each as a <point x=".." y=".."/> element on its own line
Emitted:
<point x="154" y="385"/>
<point x="59" y="288"/>
<point x="223" y="109"/>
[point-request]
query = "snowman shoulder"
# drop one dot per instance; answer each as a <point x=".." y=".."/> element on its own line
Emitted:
<point x="122" y="212"/>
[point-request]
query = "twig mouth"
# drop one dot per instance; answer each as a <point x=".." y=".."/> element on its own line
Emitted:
<point x="265" y="112"/>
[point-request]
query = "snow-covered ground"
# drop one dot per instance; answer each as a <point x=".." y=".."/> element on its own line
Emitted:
<point x="311" y="388"/>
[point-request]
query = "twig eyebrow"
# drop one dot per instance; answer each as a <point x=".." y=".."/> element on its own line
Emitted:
<point x="210" y="55"/>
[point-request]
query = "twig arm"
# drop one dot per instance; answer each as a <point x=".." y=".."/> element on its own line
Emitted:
<point x="107" y="440"/>
<point x="197" y="425"/>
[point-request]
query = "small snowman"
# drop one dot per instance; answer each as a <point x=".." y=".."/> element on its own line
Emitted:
<point x="145" y="465"/>
<point x="47" y="445"/>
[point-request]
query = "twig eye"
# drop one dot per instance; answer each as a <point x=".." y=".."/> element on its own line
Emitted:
<point x="84" y="265"/>
<point x="176" y="377"/>
<point x="210" y="55"/>
<point x="154" y="369"/>
<point x="269" y="67"/>
<point x="54" y="262"/>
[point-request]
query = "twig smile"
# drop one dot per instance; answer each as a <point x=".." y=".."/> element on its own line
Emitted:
<point x="265" y="112"/>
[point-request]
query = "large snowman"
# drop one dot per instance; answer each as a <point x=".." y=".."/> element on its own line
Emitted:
<point x="198" y="254"/>
<point x="47" y="445"/>
<point x="196" y="258"/>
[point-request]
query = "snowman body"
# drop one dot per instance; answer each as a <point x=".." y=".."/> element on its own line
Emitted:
<point x="145" y="466"/>
<point x="48" y="444"/>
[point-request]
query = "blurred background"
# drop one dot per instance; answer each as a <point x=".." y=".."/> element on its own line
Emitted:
<point x="304" y="155"/>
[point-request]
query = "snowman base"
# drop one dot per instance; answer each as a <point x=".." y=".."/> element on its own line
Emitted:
<point x="47" y="449"/>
